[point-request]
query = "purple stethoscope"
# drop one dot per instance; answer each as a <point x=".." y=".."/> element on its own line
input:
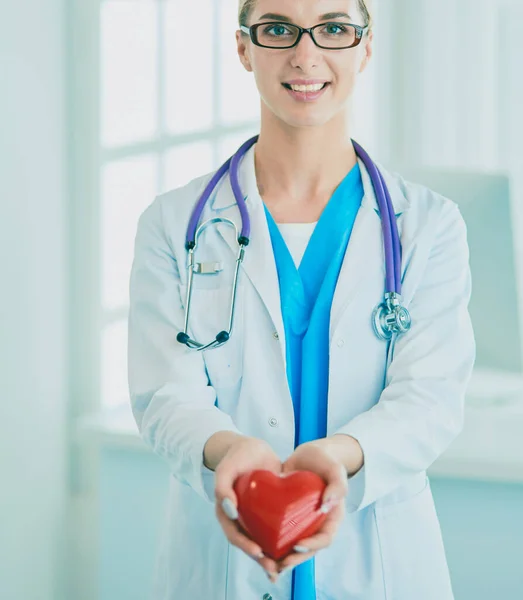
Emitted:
<point x="388" y="318"/>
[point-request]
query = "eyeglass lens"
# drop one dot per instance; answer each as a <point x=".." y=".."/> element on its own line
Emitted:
<point x="329" y="35"/>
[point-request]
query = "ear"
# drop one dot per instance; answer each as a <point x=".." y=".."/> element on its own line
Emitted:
<point x="367" y="52"/>
<point x="243" y="42"/>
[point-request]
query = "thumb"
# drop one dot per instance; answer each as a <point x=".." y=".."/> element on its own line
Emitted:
<point x="336" y="489"/>
<point x="224" y="492"/>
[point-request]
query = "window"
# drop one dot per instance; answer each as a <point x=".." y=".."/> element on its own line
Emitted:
<point x="158" y="97"/>
<point x="174" y="102"/>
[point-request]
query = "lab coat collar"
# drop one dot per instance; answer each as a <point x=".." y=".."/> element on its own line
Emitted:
<point x="224" y="198"/>
<point x="260" y="264"/>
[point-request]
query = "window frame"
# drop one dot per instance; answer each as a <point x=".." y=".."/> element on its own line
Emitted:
<point x="88" y="158"/>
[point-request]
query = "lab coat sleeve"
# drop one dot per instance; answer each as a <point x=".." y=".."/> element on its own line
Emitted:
<point x="421" y="410"/>
<point x="171" y="399"/>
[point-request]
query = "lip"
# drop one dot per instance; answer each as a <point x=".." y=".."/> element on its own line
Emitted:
<point x="307" y="96"/>
<point x="306" y="81"/>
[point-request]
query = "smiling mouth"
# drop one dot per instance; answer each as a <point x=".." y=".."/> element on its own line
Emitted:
<point x="311" y="89"/>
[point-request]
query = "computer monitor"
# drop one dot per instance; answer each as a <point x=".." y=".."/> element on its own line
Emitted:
<point x="484" y="200"/>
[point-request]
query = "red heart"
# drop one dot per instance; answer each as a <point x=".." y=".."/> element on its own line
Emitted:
<point x="278" y="511"/>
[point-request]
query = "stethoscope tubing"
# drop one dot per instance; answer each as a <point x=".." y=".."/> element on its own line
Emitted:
<point x="388" y="319"/>
<point x="392" y="246"/>
<point x="388" y="223"/>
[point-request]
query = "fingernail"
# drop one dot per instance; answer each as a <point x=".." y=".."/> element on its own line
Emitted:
<point x="229" y="509"/>
<point x="301" y="549"/>
<point x="328" y="505"/>
<point x="259" y="555"/>
<point x="273" y="577"/>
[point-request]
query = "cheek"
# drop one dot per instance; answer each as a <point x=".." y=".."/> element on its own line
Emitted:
<point x="345" y="75"/>
<point x="266" y="71"/>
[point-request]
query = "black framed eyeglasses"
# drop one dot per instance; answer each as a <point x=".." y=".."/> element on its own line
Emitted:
<point x="330" y="36"/>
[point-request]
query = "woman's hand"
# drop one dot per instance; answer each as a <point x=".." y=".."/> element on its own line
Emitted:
<point x="333" y="459"/>
<point x="243" y="454"/>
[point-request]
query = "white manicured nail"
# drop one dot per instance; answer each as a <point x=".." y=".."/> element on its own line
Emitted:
<point x="229" y="509"/>
<point x="328" y="505"/>
<point x="301" y="549"/>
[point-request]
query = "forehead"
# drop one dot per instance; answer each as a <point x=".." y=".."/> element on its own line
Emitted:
<point x="306" y="10"/>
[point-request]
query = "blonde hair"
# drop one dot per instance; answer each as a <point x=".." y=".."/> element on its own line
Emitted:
<point x="245" y="7"/>
<point x="244" y="10"/>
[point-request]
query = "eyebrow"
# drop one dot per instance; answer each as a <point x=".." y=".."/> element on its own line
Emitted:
<point x="325" y="17"/>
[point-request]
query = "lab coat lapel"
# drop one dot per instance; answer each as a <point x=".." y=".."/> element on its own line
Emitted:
<point x="259" y="263"/>
<point x="363" y="259"/>
<point x="365" y="256"/>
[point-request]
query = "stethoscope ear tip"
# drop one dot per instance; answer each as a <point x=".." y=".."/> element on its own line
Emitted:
<point x="183" y="338"/>
<point x="222" y="337"/>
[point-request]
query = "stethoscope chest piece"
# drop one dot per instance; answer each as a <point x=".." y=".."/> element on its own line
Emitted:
<point x="390" y="317"/>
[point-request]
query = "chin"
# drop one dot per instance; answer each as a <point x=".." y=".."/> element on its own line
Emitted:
<point x="314" y="119"/>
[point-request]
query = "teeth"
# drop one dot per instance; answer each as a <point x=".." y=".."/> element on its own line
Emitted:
<point x="307" y="88"/>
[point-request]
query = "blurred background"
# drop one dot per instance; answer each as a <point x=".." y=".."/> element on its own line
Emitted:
<point x="106" y="103"/>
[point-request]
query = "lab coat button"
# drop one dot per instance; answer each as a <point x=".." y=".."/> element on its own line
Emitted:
<point x="341" y="343"/>
<point x="273" y="422"/>
<point x="275" y="335"/>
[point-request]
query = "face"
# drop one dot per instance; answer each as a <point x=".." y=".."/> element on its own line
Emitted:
<point x="277" y="69"/>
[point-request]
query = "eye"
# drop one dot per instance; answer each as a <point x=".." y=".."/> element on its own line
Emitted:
<point x="277" y="30"/>
<point x="334" y="29"/>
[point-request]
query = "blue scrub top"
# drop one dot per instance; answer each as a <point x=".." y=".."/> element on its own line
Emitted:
<point x="306" y="298"/>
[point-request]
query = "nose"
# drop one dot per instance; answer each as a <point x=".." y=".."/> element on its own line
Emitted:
<point x="306" y="54"/>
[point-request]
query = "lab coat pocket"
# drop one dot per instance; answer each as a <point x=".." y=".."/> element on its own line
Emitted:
<point x="412" y="552"/>
<point x="209" y="315"/>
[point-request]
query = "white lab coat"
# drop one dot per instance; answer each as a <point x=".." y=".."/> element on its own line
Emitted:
<point x="389" y="546"/>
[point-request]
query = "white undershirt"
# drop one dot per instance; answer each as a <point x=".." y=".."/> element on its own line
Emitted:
<point x="296" y="236"/>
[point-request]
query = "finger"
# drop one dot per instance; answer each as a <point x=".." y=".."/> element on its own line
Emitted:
<point x="224" y="482"/>
<point x="333" y="473"/>
<point x="335" y="516"/>
<point x="293" y="560"/>
<point x="324" y="537"/>
<point x="321" y="540"/>
<point x="337" y="485"/>
<point x="270" y="565"/>
<point x="236" y="536"/>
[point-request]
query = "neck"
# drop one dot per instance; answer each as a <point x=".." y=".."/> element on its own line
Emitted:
<point x="300" y="164"/>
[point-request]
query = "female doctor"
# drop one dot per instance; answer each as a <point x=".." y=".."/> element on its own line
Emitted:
<point x="303" y="381"/>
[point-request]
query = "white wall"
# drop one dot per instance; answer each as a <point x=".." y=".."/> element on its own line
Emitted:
<point x="33" y="311"/>
<point x="456" y="90"/>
